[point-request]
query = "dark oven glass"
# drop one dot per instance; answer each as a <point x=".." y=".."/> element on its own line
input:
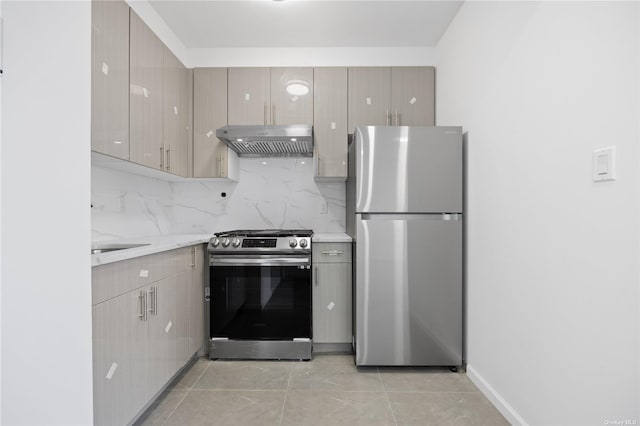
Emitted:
<point x="260" y="302"/>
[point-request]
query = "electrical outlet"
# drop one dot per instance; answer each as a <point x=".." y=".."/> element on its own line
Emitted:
<point x="324" y="207"/>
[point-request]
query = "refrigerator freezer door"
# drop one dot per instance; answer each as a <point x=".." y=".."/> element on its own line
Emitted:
<point x="408" y="290"/>
<point x="408" y="169"/>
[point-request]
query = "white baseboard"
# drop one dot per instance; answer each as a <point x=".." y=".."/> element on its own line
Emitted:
<point x="496" y="399"/>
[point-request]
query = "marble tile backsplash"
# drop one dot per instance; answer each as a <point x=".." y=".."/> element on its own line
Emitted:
<point x="270" y="193"/>
<point x="127" y="205"/>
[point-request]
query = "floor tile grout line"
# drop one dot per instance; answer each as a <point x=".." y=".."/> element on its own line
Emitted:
<point x="209" y="363"/>
<point x="284" y="401"/>
<point x="386" y="396"/>
<point x="175" y="408"/>
<point x="188" y="389"/>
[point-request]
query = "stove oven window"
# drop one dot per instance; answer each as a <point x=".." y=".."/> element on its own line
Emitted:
<point x="260" y="302"/>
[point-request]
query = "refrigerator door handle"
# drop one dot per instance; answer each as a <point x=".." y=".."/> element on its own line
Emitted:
<point x="412" y="216"/>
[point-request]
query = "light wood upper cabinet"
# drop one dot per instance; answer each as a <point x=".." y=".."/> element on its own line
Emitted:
<point x="175" y="114"/>
<point x="396" y="96"/>
<point x="110" y="78"/>
<point x="330" y="122"/>
<point x="291" y="96"/>
<point x="211" y="156"/>
<point x="146" y="99"/>
<point x="263" y="96"/>
<point x="248" y="96"/>
<point x="369" y="96"/>
<point x="413" y="96"/>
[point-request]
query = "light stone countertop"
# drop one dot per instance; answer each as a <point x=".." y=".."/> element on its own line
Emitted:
<point x="157" y="244"/>
<point x="331" y="237"/>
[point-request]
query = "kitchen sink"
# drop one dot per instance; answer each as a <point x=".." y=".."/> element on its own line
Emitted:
<point x="106" y="248"/>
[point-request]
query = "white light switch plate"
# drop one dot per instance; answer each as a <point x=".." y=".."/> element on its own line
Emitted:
<point x="604" y="164"/>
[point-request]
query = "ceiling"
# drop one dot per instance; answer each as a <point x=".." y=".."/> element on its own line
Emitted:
<point x="300" y="23"/>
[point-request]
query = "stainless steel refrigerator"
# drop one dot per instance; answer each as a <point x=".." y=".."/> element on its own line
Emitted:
<point x="404" y="213"/>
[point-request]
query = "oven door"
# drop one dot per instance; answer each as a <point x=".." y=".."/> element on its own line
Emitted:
<point x="260" y="297"/>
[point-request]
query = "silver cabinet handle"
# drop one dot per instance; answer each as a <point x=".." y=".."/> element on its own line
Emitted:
<point x="397" y="118"/>
<point x="387" y="118"/>
<point x="150" y="296"/>
<point x="141" y="299"/>
<point x="317" y="276"/>
<point x="220" y="165"/>
<point x="265" y="113"/>
<point x="332" y="252"/>
<point x="153" y="301"/>
<point x="162" y="158"/>
<point x="168" y="151"/>
<point x="193" y="257"/>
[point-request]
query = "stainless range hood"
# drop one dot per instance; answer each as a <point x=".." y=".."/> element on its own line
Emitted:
<point x="268" y="141"/>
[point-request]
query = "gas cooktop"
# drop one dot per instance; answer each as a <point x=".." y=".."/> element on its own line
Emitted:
<point x="274" y="233"/>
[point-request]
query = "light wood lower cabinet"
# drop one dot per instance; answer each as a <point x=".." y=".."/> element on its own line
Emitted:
<point x="196" y="300"/>
<point x="332" y="293"/>
<point x="142" y="337"/>
<point x="113" y="328"/>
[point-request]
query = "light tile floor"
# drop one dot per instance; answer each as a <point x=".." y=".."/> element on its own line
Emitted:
<point x="329" y="390"/>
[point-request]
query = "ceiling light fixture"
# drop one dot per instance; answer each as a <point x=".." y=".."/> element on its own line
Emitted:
<point x="297" y="87"/>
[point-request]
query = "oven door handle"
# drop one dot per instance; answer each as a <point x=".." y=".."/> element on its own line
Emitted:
<point x="260" y="261"/>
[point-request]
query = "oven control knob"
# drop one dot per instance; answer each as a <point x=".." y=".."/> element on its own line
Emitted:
<point x="225" y="242"/>
<point x="215" y="242"/>
<point x="303" y="243"/>
<point x="293" y="242"/>
<point x="236" y="242"/>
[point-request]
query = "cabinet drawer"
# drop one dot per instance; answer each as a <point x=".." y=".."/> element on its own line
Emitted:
<point x="114" y="279"/>
<point x="331" y="252"/>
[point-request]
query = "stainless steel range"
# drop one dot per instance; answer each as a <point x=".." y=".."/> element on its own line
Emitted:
<point x="260" y="283"/>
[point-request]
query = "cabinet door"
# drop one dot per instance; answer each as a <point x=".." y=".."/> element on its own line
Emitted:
<point x="413" y="96"/>
<point x="146" y="100"/>
<point x="162" y="337"/>
<point x="332" y="303"/>
<point x="140" y="366"/>
<point x="210" y="113"/>
<point x="112" y="346"/>
<point x="175" y="78"/>
<point x="110" y="78"/>
<point x="369" y="97"/>
<point x="189" y="75"/>
<point x="291" y="96"/>
<point x="183" y="285"/>
<point x="330" y="122"/>
<point x="196" y="302"/>
<point x="248" y="96"/>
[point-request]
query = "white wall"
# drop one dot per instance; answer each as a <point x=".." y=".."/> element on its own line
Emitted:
<point x="553" y="276"/>
<point x="0" y="218"/>
<point x="46" y="277"/>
